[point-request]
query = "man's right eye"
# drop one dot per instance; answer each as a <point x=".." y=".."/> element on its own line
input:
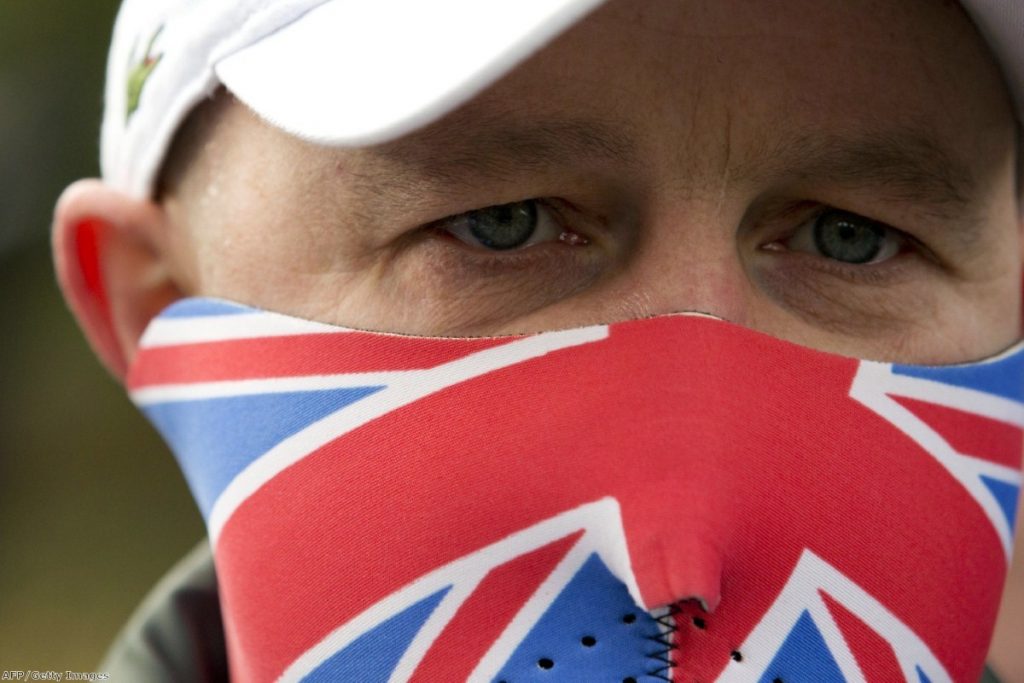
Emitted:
<point x="507" y="227"/>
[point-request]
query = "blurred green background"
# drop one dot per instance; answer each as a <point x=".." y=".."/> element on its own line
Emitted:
<point x="92" y="508"/>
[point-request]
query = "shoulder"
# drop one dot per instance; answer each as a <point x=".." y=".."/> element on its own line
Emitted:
<point x="176" y="634"/>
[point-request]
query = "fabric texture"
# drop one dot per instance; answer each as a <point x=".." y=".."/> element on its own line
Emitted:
<point x="675" y="498"/>
<point x="149" y="647"/>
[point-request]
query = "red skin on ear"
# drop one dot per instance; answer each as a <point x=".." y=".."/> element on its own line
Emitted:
<point x="87" y="248"/>
<point x="79" y="269"/>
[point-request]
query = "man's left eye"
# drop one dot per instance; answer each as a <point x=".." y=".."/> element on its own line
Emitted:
<point x="848" y="238"/>
<point x="504" y="227"/>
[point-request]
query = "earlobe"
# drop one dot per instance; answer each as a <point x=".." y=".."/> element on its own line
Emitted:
<point x="112" y="262"/>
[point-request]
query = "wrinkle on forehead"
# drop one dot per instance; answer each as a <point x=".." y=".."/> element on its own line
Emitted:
<point x="906" y="164"/>
<point x="575" y="105"/>
<point x="498" y="143"/>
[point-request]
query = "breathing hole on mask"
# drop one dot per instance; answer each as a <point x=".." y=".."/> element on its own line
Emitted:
<point x="737" y="656"/>
<point x="545" y="663"/>
<point x="588" y="641"/>
<point x="700" y="623"/>
<point x="629" y="619"/>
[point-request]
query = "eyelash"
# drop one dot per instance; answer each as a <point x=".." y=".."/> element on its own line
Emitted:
<point x="811" y="223"/>
<point x="899" y="267"/>
<point x="457" y="228"/>
<point x="869" y="272"/>
<point x="872" y="274"/>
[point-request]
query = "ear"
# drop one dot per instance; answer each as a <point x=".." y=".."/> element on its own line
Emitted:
<point x="111" y="257"/>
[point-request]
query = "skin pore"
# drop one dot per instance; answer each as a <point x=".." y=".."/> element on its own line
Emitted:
<point x="671" y="156"/>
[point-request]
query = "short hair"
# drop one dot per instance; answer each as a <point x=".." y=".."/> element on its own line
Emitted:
<point x="189" y="140"/>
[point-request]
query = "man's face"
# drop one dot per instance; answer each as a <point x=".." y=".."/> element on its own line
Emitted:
<point x="837" y="174"/>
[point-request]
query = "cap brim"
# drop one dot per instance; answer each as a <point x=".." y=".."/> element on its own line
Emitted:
<point x="356" y="73"/>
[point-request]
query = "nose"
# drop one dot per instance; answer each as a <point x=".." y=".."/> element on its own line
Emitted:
<point x="687" y="258"/>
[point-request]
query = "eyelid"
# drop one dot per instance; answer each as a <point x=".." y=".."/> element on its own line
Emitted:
<point x="550" y="227"/>
<point x="805" y="237"/>
<point x="789" y="221"/>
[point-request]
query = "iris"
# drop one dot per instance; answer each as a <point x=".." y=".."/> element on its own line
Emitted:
<point x="504" y="227"/>
<point x="848" y="237"/>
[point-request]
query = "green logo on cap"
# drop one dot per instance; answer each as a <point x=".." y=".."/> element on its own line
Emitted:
<point x="140" y="73"/>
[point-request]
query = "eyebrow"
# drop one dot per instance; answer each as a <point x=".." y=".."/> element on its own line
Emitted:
<point x="903" y="164"/>
<point x="467" y="151"/>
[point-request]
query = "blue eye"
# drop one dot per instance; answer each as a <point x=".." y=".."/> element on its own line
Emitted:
<point x="504" y="227"/>
<point x="848" y="238"/>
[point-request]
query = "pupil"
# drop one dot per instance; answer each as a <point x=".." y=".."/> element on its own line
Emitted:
<point x="504" y="227"/>
<point x="848" y="237"/>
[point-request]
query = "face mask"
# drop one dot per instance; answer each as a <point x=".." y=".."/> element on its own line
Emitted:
<point x="675" y="498"/>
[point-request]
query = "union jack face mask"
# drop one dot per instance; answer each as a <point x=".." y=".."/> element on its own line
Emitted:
<point x="668" y="499"/>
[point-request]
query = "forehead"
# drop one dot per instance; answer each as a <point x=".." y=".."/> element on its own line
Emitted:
<point x="671" y="66"/>
<point x="723" y="88"/>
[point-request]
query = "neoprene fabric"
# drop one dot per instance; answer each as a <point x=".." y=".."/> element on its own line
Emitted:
<point x="670" y="498"/>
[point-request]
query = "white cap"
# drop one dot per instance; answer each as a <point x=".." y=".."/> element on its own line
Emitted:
<point x="349" y="72"/>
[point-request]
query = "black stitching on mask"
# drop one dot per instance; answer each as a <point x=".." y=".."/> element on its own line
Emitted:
<point x="663" y="656"/>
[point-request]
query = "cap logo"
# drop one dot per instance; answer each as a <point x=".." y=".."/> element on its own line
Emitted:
<point x="139" y="74"/>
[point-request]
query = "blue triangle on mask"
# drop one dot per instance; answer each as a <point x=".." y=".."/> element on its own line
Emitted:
<point x="215" y="439"/>
<point x="922" y="677"/>
<point x="1006" y="495"/>
<point x="804" y="657"/>
<point x="374" y="655"/>
<point x="197" y="308"/>
<point x="1003" y="377"/>
<point x="591" y="606"/>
